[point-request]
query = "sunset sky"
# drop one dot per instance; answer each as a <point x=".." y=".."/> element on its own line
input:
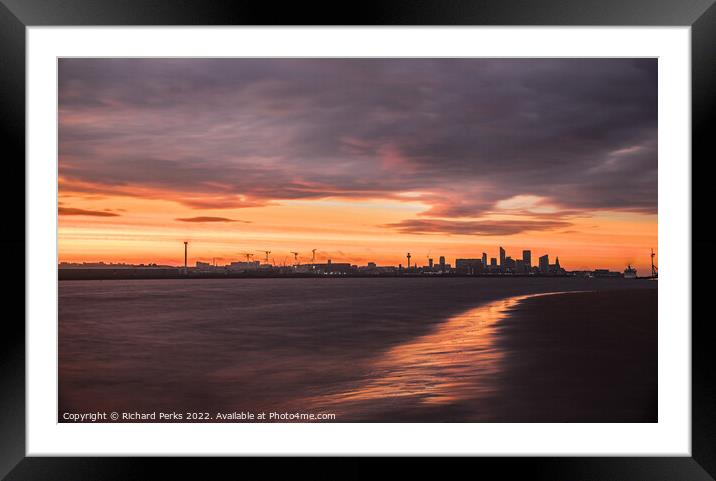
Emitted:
<point x="361" y="159"/>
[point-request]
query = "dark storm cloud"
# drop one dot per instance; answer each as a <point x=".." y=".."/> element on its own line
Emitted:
<point x="94" y="213"/>
<point x="466" y="133"/>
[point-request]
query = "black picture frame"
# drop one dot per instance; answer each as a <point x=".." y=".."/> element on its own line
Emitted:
<point x="16" y="15"/>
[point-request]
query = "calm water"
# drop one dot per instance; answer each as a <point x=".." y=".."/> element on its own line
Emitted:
<point x="363" y="349"/>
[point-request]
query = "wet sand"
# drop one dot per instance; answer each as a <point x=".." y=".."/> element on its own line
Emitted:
<point x="563" y="357"/>
<point x="383" y="350"/>
<point x="580" y="357"/>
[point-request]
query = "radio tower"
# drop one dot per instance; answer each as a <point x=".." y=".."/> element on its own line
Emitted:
<point x="186" y="269"/>
<point x="408" y="256"/>
<point x="654" y="270"/>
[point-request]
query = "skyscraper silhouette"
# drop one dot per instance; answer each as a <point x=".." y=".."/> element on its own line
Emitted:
<point x="544" y="264"/>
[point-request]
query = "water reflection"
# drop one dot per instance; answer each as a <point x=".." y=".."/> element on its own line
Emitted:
<point x="457" y="361"/>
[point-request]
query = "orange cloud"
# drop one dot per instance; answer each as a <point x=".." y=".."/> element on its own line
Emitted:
<point x="201" y="219"/>
<point x="94" y="213"/>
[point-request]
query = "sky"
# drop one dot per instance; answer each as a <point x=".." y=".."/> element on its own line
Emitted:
<point x="361" y="159"/>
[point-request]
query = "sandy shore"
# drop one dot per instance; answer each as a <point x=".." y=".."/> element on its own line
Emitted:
<point x="580" y="357"/>
<point x="377" y="350"/>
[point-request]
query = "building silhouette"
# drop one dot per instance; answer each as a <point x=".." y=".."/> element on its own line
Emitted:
<point x="469" y="266"/>
<point x="509" y="264"/>
<point x="244" y="266"/>
<point x="544" y="264"/>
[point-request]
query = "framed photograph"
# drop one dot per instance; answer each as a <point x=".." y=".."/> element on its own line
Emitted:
<point x="425" y="231"/>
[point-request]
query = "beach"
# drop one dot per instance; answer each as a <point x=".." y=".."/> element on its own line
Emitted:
<point x="366" y="350"/>
<point x="572" y="358"/>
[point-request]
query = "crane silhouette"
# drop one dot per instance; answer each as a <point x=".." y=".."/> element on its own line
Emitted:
<point x="267" y="254"/>
<point x="248" y="256"/>
<point x="295" y="257"/>
<point x="313" y="256"/>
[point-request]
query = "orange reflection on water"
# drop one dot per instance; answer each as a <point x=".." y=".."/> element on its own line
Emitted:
<point x="458" y="360"/>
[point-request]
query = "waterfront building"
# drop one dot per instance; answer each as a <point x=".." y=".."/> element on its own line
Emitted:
<point x="333" y="267"/>
<point x="244" y="266"/>
<point x="606" y="273"/>
<point x="509" y="264"/>
<point x="544" y="264"/>
<point x="527" y="258"/>
<point x="468" y="266"/>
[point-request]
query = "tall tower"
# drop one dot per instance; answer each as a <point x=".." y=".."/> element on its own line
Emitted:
<point x="186" y="243"/>
<point x="544" y="264"/>
<point x="484" y="259"/>
<point x="502" y="258"/>
<point x="408" y="256"/>
<point x="527" y="257"/>
<point x="442" y="263"/>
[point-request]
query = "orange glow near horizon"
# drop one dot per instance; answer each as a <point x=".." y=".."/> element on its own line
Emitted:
<point x="147" y="231"/>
